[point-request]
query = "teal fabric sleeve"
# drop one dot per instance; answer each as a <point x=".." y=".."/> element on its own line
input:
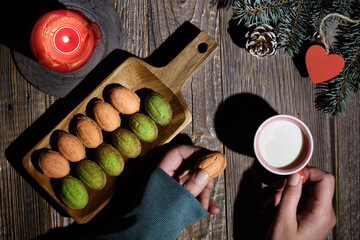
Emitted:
<point x="165" y="209"/>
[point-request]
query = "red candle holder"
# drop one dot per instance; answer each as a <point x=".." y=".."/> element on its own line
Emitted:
<point x="64" y="40"/>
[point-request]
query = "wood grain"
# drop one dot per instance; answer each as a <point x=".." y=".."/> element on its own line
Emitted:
<point x="21" y="206"/>
<point x="231" y="77"/>
<point x="346" y="146"/>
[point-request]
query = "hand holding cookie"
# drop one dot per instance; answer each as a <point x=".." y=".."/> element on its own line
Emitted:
<point x="177" y="163"/>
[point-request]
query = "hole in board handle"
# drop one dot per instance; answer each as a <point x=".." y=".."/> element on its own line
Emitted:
<point x="202" y="47"/>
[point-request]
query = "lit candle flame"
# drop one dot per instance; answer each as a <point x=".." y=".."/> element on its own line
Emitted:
<point x="65" y="39"/>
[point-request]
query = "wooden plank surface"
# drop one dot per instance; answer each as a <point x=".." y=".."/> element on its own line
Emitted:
<point x="347" y="152"/>
<point x="233" y="87"/>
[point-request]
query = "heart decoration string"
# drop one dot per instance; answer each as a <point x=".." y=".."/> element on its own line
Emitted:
<point x="321" y="32"/>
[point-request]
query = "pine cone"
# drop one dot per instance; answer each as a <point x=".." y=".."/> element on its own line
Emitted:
<point x="261" y="41"/>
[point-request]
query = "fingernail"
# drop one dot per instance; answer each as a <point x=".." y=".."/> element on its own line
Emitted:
<point x="201" y="177"/>
<point x="293" y="180"/>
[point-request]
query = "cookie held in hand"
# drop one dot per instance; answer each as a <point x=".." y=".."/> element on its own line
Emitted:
<point x="213" y="163"/>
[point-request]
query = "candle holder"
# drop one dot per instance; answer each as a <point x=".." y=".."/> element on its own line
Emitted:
<point x="60" y="83"/>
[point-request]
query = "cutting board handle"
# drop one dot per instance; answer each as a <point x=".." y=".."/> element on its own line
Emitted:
<point x="191" y="58"/>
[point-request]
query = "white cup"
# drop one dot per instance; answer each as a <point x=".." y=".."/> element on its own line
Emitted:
<point x="280" y="137"/>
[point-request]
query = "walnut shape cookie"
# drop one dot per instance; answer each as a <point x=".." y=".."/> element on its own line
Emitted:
<point x="213" y="163"/>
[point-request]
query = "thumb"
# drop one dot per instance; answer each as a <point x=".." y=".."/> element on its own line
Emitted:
<point x="289" y="200"/>
<point x="197" y="182"/>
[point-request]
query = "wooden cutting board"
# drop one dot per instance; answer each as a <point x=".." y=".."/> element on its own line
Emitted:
<point x="136" y="75"/>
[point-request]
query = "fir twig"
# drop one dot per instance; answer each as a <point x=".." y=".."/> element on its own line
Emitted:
<point x="335" y="93"/>
<point x="292" y="31"/>
<point x="259" y="11"/>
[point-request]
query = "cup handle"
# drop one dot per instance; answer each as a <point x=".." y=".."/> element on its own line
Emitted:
<point x="302" y="175"/>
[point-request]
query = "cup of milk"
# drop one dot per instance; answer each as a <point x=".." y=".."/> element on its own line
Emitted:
<point x="283" y="144"/>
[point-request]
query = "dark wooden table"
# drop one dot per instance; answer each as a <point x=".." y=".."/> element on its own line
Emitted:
<point x="232" y="84"/>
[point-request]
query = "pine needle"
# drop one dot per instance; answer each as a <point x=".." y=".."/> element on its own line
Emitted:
<point x="297" y="22"/>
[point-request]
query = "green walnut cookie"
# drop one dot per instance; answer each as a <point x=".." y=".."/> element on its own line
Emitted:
<point x="91" y="174"/>
<point x="110" y="159"/>
<point x="73" y="192"/>
<point x="143" y="127"/>
<point x="126" y="143"/>
<point x="158" y="108"/>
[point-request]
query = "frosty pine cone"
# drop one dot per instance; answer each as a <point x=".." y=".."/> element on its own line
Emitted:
<point x="261" y="41"/>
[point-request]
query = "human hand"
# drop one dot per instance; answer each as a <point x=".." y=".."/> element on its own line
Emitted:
<point x="198" y="183"/>
<point x="307" y="215"/>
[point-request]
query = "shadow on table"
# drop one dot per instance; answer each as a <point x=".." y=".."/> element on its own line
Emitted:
<point x="222" y="3"/>
<point x="237" y="32"/>
<point x="238" y="118"/>
<point x="17" y="19"/>
<point x="299" y="59"/>
<point x="236" y="122"/>
<point x="251" y="219"/>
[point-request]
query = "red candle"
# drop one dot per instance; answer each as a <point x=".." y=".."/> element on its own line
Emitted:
<point x="63" y="40"/>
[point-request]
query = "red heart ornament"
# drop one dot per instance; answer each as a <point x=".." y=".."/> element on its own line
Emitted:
<point x="321" y="66"/>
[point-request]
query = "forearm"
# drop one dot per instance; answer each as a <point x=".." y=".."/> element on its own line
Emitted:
<point x="165" y="210"/>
